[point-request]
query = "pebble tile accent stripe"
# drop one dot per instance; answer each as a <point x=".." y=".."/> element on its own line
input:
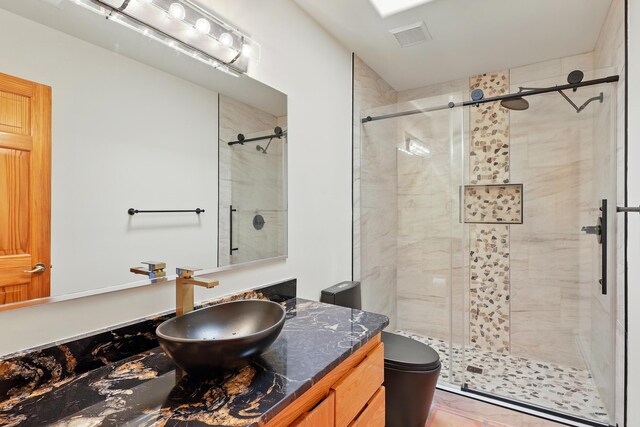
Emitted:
<point x="492" y="204"/>
<point x="489" y="151"/>
<point x="489" y="244"/>
<point x="489" y="325"/>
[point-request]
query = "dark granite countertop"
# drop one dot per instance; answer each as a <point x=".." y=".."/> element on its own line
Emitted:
<point x="142" y="390"/>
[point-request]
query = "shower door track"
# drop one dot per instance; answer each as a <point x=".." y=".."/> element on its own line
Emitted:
<point x="609" y="79"/>
<point x="518" y="406"/>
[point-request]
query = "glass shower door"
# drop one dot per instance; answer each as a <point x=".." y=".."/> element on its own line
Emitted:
<point x="540" y="224"/>
<point x="478" y="235"/>
<point x="431" y="265"/>
<point x="409" y="233"/>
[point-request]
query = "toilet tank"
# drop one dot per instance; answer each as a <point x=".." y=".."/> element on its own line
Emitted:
<point x="345" y="294"/>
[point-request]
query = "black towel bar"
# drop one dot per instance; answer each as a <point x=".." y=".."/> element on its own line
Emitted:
<point x="133" y="211"/>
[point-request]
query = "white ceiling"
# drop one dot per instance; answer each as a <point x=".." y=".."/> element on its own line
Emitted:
<point x="469" y="36"/>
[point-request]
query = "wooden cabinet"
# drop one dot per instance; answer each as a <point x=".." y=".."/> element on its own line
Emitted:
<point x="373" y="413"/>
<point x="354" y="390"/>
<point x="322" y="415"/>
<point x="351" y="395"/>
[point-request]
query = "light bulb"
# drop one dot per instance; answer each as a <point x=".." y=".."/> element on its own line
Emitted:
<point x="246" y="50"/>
<point x="176" y="10"/>
<point x="226" y="39"/>
<point x="203" y="26"/>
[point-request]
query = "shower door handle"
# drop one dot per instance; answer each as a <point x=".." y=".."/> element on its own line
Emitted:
<point x="600" y="230"/>
<point x="602" y="221"/>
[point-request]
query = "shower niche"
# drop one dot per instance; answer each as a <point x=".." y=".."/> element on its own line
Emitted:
<point x="252" y="193"/>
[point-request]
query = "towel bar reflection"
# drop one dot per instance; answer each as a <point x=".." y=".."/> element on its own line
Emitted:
<point x="133" y="211"/>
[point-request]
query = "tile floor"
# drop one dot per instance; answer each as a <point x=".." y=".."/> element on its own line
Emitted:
<point x="452" y="410"/>
<point x="564" y="389"/>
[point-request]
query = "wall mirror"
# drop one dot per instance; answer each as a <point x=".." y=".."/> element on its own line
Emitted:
<point x="133" y="128"/>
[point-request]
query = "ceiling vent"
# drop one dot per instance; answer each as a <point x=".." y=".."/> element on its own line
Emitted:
<point x="410" y="35"/>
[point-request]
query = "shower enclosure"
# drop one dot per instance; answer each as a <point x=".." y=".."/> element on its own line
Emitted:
<point x="496" y="226"/>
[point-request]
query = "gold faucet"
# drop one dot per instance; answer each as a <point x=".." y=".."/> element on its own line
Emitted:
<point x="153" y="269"/>
<point x="184" y="288"/>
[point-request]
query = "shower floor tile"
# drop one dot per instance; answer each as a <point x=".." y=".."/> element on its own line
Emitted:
<point x="564" y="389"/>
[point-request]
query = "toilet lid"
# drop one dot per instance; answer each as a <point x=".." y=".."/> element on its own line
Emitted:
<point x="407" y="354"/>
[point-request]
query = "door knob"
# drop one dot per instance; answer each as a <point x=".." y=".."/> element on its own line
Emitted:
<point x="38" y="268"/>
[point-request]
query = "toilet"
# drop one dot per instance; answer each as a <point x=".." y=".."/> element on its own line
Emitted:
<point x="411" y="368"/>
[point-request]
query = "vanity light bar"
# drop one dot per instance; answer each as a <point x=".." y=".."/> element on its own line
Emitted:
<point x="184" y="26"/>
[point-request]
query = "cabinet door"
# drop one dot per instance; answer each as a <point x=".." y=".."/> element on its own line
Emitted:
<point x="356" y="388"/>
<point x="320" y="416"/>
<point x="373" y="413"/>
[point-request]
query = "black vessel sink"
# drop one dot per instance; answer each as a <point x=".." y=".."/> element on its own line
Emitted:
<point x="224" y="336"/>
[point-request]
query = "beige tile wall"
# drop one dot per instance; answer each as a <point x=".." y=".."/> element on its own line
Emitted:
<point x="551" y="268"/>
<point x="375" y="200"/>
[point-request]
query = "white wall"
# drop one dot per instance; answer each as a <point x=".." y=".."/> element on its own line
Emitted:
<point x="633" y="245"/>
<point x="302" y="60"/>
<point x="109" y="154"/>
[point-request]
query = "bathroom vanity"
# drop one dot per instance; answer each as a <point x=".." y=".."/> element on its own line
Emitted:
<point x="325" y="369"/>
<point x="350" y="395"/>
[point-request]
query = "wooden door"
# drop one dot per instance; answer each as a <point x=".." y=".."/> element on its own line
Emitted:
<point x="25" y="189"/>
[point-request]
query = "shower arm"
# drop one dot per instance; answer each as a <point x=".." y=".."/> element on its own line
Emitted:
<point x="587" y="102"/>
<point x="264" y="150"/>
<point x="569" y="100"/>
